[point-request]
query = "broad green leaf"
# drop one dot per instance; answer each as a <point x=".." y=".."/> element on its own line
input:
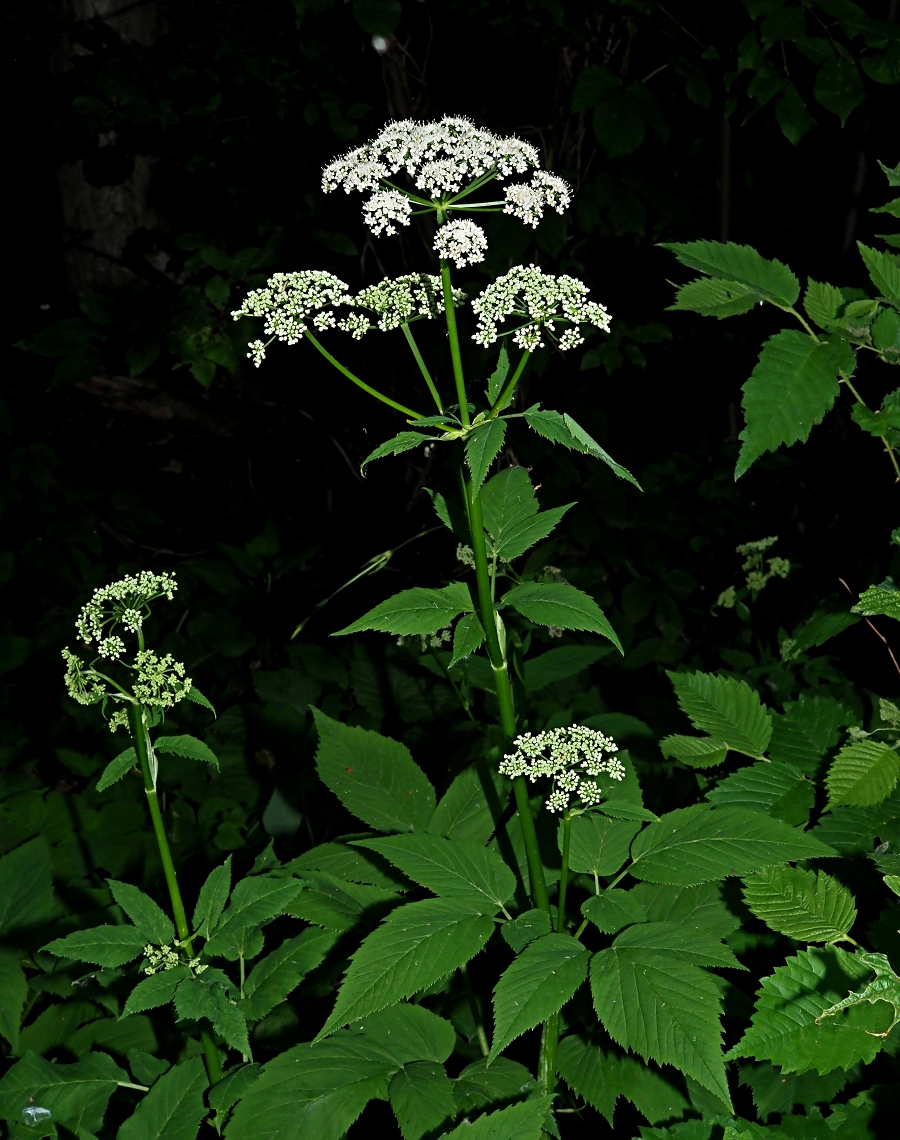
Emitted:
<point x="498" y="377"/>
<point x="338" y="905"/>
<point x="373" y="776"/>
<point x="822" y="303"/>
<point x="826" y="622"/>
<point x="156" y="990"/>
<point x="279" y="973"/>
<point x="347" y="863"/>
<point x="212" y="899"/>
<point x="399" y="1035"/>
<point x="522" y="1121"/>
<point x="526" y="534"/>
<point x="806" y="905"/>
<point x="557" y="664"/>
<point x="711" y="297"/>
<point x="13" y="992"/>
<point x="528" y="926"/>
<point x="467" y="637"/>
<point x="662" y="1009"/>
<point x="678" y="942"/>
<point x="839" y="87"/>
<point x="537" y="983"/>
<point x="602" y="1077"/>
<point x="507" y="500"/>
<point x="452" y="868"/>
<point x="726" y="708"/>
<point x="739" y="264"/>
<point x="695" y="751"/>
<point x="26" y="887"/>
<point x="785" y="1030"/>
<point x="482" y="448"/>
<point x="116" y="769"/>
<point x="563" y="429"/>
<point x="863" y="773"/>
<point x="624" y="809"/>
<point x="599" y="846"/>
<point x="886" y="335"/>
<point x="480" y="1085"/>
<point x="613" y="909"/>
<point x="188" y="746"/>
<point x="421" y="1096"/>
<point x="883" y="599"/>
<point x="75" y="1095"/>
<point x="698" y="844"/>
<point x="207" y="997"/>
<point x="884" y="987"/>
<point x="254" y="901"/>
<point x="779" y="790"/>
<point x="418" y="610"/>
<point x="808" y="728"/>
<point x="102" y="945"/>
<point x="884" y="270"/>
<point x="793" y="385"/>
<point x="405" y="441"/>
<point x="698" y="909"/>
<point x="414" y="947"/>
<point x="148" y="917"/>
<point x="560" y="605"/>
<point x="233" y="1088"/>
<point x="173" y="1108"/>
<point x="469" y="809"/>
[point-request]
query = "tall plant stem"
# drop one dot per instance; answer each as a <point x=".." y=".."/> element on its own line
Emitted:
<point x="361" y="383"/>
<point x="563" y="876"/>
<point x="547" y="1057"/>
<point x="142" y="748"/>
<point x="453" y="333"/>
<point x="423" y="367"/>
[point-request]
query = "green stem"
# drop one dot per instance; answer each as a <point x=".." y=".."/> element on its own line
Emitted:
<point x="547" y="1058"/>
<point x="142" y="747"/>
<point x="423" y="368"/>
<point x="506" y="395"/>
<point x="361" y="383"/>
<point x="790" y="309"/>
<point x="453" y="332"/>
<point x="563" y="876"/>
<point x="476" y="1012"/>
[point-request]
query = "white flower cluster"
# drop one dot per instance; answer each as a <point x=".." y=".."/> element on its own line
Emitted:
<point x="82" y="684"/>
<point x="158" y="959"/>
<point x="397" y="301"/>
<point x="461" y="241"/>
<point x="386" y="210"/>
<point x="122" y="602"/>
<point x="160" y="681"/>
<point x="541" y="301"/>
<point x="290" y="302"/>
<point x="527" y="200"/>
<point x="572" y="757"/>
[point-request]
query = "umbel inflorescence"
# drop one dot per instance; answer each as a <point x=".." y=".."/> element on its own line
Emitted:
<point x="121" y="607"/>
<point x="571" y="757"/>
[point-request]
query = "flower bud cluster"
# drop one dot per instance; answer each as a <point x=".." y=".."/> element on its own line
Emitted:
<point x="462" y="242"/>
<point x="397" y="301"/>
<point x="290" y="302"/>
<point x="572" y="757"/>
<point x="160" y="681"/>
<point x="527" y="200"/>
<point x="541" y="301"/>
<point x="122" y="602"/>
<point x="82" y="684"/>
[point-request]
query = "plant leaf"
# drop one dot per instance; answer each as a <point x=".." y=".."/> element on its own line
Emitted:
<point x="421" y="1096"/>
<point x="560" y="605"/>
<point x="698" y="844"/>
<point x="884" y="987"/>
<point x="793" y="385"/>
<point x="108" y="946"/>
<point x="528" y="926"/>
<point x="699" y="909"/>
<point x="416" y="946"/>
<point x="806" y="730"/>
<point x="883" y="599"/>
<point x="188" y="746"/>
<point x="482" y="448"/>
<point x="13" y="992"/>
<point x="278" y="974"/>
<point x="254" y="901"/>
<point x="159" y="989"/>
<point x="806" y="905"/>
<point x="525" y="534"/>
<point x="602" y="1077"/>
<point x="711" y="297"/>
<point x="498" y="377"/>
<point x="613" y="909"/>
<point x="418" y="610"/>
<point x="599" y="846"/>
<point x="779" y="790"/>
<point x="739" y="264"/>
<point x="822" y="303"/>
<point x="212" y="899"/>
<point x="116" y="769"/>
<point x="884" y="269"/>
<point x="563" y="429"/>
<point x="863" y="773"/>
<point x="75" y="1095"/>
<point x="405" y="441"/>
<point x="465" y="809"/>
<point x="451" y="868"/>
<point x="194" y="694"/>
<point x="206" y="996"/>
<point x="173" y="1108"/>
<point x="507" y="500"/>
<point x="557" y="664"/>
<point x="726" y="708"/>
<point x="467" y="637"/>
<point x="478" y="1086"/>
<point x="149" y="918"/>
<point x="695" y="751"/>
<point x="523" y="1121"/>
<point x="374" y="777"/>
<point x="26" y="887"/>
<point x="680" y="944"/>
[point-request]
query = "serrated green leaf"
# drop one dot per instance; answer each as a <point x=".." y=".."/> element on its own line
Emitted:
<point x="173" y="1108"/>
<point x="825" y="623"/>
<point x="808" y="728"/>
<point x="338" y="905"/>
<point x="862" y="774"/>
<point x="780" y="790"/>
<point x="466" y="810"/>
<point x="149" y="918"/>
<point x="537" y="983"/>
<point x="159" y="989"/>
<point x="726" y="708"/>
<point x="883" y="599"/>
<point x="884" y="270"/>
<point x="421" y="1096"/>
<point x="528" y="926"/>
<point x="405" y="441"/>
<point x="451" y="868"/>
<point x="75" y="1095"/>
<point x="478" y="1085"/>
<point x="374" y="777"/>
<point x="602" y="1077"/>
<point x="26" y="887"/>
<point x="695" y="751"/>
<point x="507" y="500"/>
<point x="739" y="264"/>
<point x="194" y="694"/>
<point x="254" y="901"/>
<point x="347" y="863"/>
<point x="207" y="997"/>
<point x="467" y="637"/>
<point x="885" y="987"/>
<point x="711" y="297"/>
<point x="277" y="975"/>
<point x="399" y="1035"/>
<point x="558" y="664"/>
<point x="793" y="385"/>
<point x="233" y="1088"/>
<point x="613" y="909"/>
<point x="482" y="448"/>
<point x="624" y="809"/>
<point x="526" y="534"/>
<point x="806" y="905"/>
<point x="560" y="605"/>
<point x="598" y="845"/>
<point x="822" y="303"/>
<point x="498" y="377"/>
<point x="212" y="899"/>
<point x="662" y="1009"/>
<point x="679" y="943"/>
<point x="102" y="945"/>
<point x="564" y="430"/>
<point x="522" y="1121"/>
<point x="418" y="610"/>
<point x="116" y="769"/>
<point x="188" y="746"/>
<point x="698" y="909"/>
<point x="13" y="992"/>
<point x="784" y="1028"/>
<point x="414" y="947"/>
<point x="699" y="844"/>
<point x="589" y="446"/>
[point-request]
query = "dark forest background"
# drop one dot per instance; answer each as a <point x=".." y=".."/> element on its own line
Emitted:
<point x="166" y="157"/>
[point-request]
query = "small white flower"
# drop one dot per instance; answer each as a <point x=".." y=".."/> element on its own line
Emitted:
<point x="572" y="757"/>
<point x="462" y="242"/>
<point x="527" y="200"/>
<point x="386" y="210"/>
<point x="397" y="301"/>
<point x="289" y="301"/>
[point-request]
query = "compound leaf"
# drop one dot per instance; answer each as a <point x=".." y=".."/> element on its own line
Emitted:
<point x="208" y="996"/>
<point x="254" y="901"/>
<point x="159" y="989"/>
<point x="279" y="973"/>
<point x="806" y="905"/>
<point x="562" y="606"/>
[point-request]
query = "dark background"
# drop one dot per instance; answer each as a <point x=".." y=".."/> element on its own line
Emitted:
<point x="166" y="158"/>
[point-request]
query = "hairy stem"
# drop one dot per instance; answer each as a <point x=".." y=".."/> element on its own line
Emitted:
<point x="423" y="367"/>
<point x="361" y="383"/>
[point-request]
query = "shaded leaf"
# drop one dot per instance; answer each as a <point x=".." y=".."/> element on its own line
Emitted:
<point x="599" y="846"/>
<point x="464" y="811"/>
<point x="405" y="441"/>
<point x="528" y="926"/>
<point x="208" y="997"/>
<point x="695" y="751"/>
<point x="149" y="918"/>
<point x="13" y="992"/>
<point x="254" y="901"/>
<point x="116" y="769"/>
<point x="75" y="1095"/>
<point x="418" y="610"/>
<point x="863" y="773"/>
<point x="26" y="887"/>
<point x="777" y="789"/>
<point x="557" y="664"/>
<point x="726" y="708"/>
<point x="212" y="899"/>
<point x="479" y="1085"/>
<point x="173" y="1108"/>
<point x="711" y="297"/>
<point x="188" y="746"/>
<point x="522" y="1121"/>
<point x="421" y="1096"/>
<point x="467" y="637"/>
<point x="806" y="905"/>
<point x="277" y="975"/>
<point x="601" y="1077"/>
<point x="613" y="909"/>
<point x="739" y="264"/>
<point x="156" y="990"/>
